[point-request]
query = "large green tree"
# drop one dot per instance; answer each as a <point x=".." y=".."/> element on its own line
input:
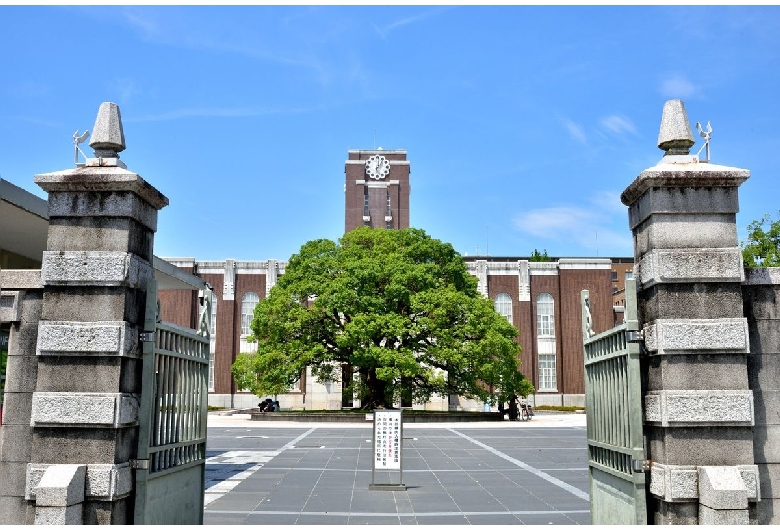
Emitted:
<point x="397" y="307"/>
<point x="762" y="247"/>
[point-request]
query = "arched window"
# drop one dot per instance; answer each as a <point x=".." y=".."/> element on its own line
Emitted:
<point x="545" y="341"/>
<point x="248" y="303"/>
<point x="503" y="305"/>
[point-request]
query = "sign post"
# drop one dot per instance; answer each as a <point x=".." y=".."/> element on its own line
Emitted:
<point x="388" y="448"/>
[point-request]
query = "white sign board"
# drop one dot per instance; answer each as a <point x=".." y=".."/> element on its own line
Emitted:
<point x="387" y="439"/>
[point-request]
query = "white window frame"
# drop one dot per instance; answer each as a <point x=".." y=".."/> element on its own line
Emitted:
<point x="545" y="342"/>
<point x="212" y="340"/>
<point x="503" y="306"/>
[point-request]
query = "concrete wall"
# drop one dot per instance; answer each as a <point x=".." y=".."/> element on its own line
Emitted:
<point x="21" y="301"/>
<point x="761" y="295"/>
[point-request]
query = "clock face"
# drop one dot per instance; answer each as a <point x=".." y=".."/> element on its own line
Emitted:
<point x="377" y="167"/>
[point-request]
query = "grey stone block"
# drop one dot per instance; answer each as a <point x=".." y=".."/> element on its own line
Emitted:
<point x="61" y="485"/>
<point x="94" y="303"/>
<point x="764" y="336"/>
<point x="88" y="338"/>
<point x="118" y="512"/>
<point x="21" y="373"/>
<point x="727" y="335"/>
<point x="699" y="407"/>
<point x="676" y="513"/>
<point x="761" y="302"/>
<point x="722" y="488"/>
<point x="22" y="340"/>
<point x="95" y="268"/>
<point x="767" y="405"/>
<point x="690" y="265"/>
<point x="107" y="204"/>
<point x="16" y="511"/>
<point x="17" y="408"/>
<point x="768" y="512"/>
<point x="680" y="192"/>
<point x="763" y="372"/>
<point x="685" y="231"/>
<point x="103" y="482"/>
<point x="769" y="479"/>
<point x="761" y="276"/>
<point x="697" y="372"/>
<point x="20" y="306"/>
<point x="767" y="450"/>
<point x="59" y="515"/>
<point x="63" y="445"/>
<point x="98" y="374"/>
<point x="9" y="306"/>
<point x="15" y="443"/>
<point x="701" y="446"/>
<point x="84" y="408"/>
<point x="90" y="179"/>
<point x="20" y="279"/>
<point x="13" y="480"/>
<point x="102" y="233"/>
<point x="674" y="483"/>
<point x="690" y="301"/>
<point x="710" y="516"/>
<point x="31" y="303"/>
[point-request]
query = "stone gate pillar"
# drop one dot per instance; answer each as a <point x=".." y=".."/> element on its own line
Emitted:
<point x="84" y="414"/>
<point x="698" y="408"/>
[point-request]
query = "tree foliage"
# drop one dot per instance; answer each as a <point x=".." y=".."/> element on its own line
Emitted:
<point x="539" y="256"/>
<point x="398" y="307"/>
<point x="762" y="248"/>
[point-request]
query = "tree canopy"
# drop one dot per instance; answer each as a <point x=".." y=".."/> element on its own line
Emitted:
<point x="539" y="256"/>
<point x="762" y="247"/>
<point x="398" y="307"/>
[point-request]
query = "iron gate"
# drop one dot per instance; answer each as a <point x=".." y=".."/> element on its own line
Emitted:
<point x="616" y="455"/>
<point x="171" y="462"/>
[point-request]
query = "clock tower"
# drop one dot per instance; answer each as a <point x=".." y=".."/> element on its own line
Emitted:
<point x="376" y="189"/>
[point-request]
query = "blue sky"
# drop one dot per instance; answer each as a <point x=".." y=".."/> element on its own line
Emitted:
<point x="523" y="124"/>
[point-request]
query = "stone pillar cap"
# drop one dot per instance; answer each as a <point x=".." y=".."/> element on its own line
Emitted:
<point x="108" y="137"/>
<point x="675" y="136"/>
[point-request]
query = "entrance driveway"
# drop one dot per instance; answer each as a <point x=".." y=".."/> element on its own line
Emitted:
<point x="491" y="473"/>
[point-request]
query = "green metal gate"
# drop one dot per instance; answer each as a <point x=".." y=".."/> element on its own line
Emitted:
<point x="616" y="455"/>
<point x="171" y="462"/>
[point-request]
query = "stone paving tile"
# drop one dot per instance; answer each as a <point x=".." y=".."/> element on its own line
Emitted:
<point x="452" y="478"/>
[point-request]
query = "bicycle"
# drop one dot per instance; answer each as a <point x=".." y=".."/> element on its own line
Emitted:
<point x="526" y="411"/>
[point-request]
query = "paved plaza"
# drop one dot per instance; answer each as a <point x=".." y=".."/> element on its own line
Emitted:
<point x="485" y="473"/>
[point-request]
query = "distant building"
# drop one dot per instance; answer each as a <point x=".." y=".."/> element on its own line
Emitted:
<point x="541" y="299"/>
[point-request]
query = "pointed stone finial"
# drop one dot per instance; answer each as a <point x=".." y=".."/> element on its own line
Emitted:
<point x="108" y="138"/>
<point x="675" y="137"/>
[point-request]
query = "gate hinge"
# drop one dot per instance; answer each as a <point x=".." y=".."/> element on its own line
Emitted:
<point x="139" y="464"/>
<point x="639" y="466"/>
<point x="635" y="336"/>
<point x="147" y="336"/>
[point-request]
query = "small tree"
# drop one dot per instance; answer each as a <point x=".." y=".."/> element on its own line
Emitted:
<point x="396" y="307"/>
<point x="539" y="256"/>
<point x="762" y="248"/>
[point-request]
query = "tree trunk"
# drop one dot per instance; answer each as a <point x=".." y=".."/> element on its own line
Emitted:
<point x="376" y="392"/>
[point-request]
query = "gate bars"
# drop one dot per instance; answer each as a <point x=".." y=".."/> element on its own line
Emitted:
<point x="174" y="404"/>
<point x="613" y="403"/>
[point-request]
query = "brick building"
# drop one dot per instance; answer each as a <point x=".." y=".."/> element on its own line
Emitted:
<point x="541" y="299"/>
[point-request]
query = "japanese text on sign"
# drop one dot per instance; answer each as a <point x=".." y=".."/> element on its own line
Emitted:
<point x="387" y="439"/>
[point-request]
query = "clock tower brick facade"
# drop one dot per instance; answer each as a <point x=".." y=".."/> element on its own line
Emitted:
<point x="373" y="196"/>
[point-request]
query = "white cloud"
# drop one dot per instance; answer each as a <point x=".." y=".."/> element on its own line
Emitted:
<point x="618" y="125"/>
<point x="591" y="226"/>
<point x="677" y="87"/>
<point x="575" y="130"/>
<point x="384" y="31"/>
